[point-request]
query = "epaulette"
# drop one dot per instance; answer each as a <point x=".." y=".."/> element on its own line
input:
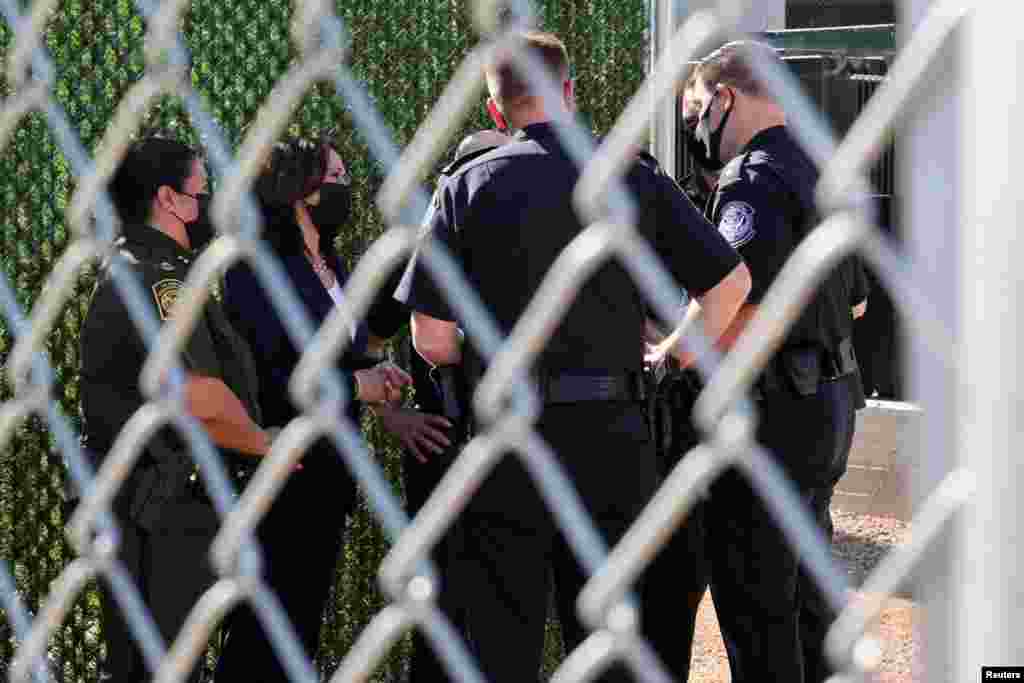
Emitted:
<point x="648" y="160"/>
<point x="455" y="165"/>
<point x="122" y="252"/>
<point x="731" y="171"/>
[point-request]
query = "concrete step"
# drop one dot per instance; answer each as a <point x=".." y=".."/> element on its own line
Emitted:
<point x="877" y="481"/>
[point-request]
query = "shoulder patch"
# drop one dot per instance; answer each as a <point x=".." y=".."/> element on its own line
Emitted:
<point x="736" y="223"/>
<point x="166" y="293"/>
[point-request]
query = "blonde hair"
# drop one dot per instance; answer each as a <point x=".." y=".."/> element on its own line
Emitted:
<point x="507" y="83"/>
<point x="731" y="65"/>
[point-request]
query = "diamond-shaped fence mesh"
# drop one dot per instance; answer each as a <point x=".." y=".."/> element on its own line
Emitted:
<point x="399" y="82"/>
<point x="403" y="52"/>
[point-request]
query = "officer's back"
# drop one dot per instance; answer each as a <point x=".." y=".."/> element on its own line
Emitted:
<point x="524" y="227"/>
<point x="506" y="217"/>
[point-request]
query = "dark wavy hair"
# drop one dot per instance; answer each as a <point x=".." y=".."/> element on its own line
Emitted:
<point x="294" y="170"/>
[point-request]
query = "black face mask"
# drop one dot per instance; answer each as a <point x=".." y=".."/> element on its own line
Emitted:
<point x="200" y="231"/>
<point x="333" y="210"/>
<point x="713" y="140"/>
<point x="698" y="151"/>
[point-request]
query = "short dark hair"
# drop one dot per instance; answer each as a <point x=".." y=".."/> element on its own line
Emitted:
<point x="150" y="163"/>
<point x="730" y="65"/>
<point x="509" y="84"/>
<point x="294" y="170"/>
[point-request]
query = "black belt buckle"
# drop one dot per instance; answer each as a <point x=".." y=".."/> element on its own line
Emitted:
<point x="569" y="388"/>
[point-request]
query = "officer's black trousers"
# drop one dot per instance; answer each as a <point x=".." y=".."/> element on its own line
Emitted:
<point x="420" y="480"/>
<point x="756" y="584"/>
<point x="511" y="547"/>
<point x="815" y="615"/>
<point x="170" y="568"/>
<point x="675" y="583"/>
<point x="680" y="574"/>
<point x="301" y="538"/>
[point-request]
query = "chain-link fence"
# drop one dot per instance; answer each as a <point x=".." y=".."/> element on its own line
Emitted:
<point x="238" y="51"/>
<point x="401" y="79"/>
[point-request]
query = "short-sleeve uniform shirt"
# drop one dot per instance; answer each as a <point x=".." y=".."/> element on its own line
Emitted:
<point x="113" y="351"/>
<point x="764" y="207"/>
<point x="507" y="215"/>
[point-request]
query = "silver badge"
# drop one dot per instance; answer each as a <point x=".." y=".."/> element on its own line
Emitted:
<point x="737" y="223"/>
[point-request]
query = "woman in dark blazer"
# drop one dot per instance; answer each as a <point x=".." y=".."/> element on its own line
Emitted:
<point x="305" y="195"/>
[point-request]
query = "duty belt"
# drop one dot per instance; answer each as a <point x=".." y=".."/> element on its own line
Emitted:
<point x="802" y="369"/>
<point x="576" y="388"/>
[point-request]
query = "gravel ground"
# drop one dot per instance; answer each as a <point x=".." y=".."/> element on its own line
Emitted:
<point x="860" y="543"/>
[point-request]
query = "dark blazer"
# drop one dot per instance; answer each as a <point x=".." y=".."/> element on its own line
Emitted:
<point x="249" y="308"/>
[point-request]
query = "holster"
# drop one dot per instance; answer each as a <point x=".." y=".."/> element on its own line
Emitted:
<point x="802" y="369"/>
<point x="671" y="416"/>
<point x="164" y="478"/>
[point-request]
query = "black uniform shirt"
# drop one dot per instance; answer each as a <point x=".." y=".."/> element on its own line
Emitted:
<point x="113" y="351"/>
<point x="507" y="215"/>
<point x="764" y="206"/>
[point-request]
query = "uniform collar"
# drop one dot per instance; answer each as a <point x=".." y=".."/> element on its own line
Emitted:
<point x="537" y="130"/>
<point x="766" y="138"/>
<point x="151" y="242"/>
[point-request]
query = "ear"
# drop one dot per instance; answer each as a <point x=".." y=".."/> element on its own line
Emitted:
<point x="496" y="115"/>
<point x="569" y="93"/>
<point x="164" y="197"/>
<point x="723" y="89"/>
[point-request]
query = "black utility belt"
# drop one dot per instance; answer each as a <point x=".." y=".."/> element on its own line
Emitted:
<point x="578" y="388"/>
<point x="801" y="370"/>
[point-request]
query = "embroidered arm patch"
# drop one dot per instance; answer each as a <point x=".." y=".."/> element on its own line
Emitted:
<point x="737" y="223"/>
<point x="166" y="293"/>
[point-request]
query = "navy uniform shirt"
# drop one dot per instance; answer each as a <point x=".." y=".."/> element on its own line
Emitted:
<point x="764" y="206"/>
<point x="507" y="215"/>
<point x="112" y="351"/>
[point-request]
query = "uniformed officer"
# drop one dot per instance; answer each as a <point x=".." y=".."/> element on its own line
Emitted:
<point x="815" y="614"/>
<point x="167" y="522"/>
<point x="429" y="432"/>
<point x="764" y="206"/>
<point x="699" y="184"/>
<point x="505" y="216"/>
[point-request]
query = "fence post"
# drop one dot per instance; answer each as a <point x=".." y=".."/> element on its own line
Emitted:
<point x="664" y="22"/>
<point x="930" y="212"/>
<point x="991" y="595"/>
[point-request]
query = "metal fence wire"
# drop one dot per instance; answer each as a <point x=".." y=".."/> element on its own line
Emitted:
<point x="504" y="400"/>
